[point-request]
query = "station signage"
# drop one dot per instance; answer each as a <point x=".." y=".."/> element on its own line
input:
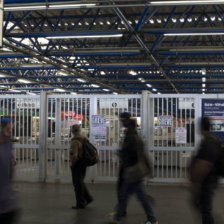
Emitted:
<point x="113" y="103"/>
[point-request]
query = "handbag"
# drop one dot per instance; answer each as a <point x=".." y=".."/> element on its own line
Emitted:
<point x="141" y="169"/>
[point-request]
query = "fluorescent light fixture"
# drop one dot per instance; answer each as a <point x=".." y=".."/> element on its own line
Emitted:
<point x="115" y="93"/>
<point x="73" y="93"/>
<point x="67" y="6"/>
<point x="2" y="76"/>
<point x="102" y="73"/>
<point x="81" y="80"/>
<point x="62" y="73"/>
<point x="194" y="2"/>
<point x="95" y="86"/>
<point x="106" y="90"/>
<point x="2" y="86"/>
<point x="203" y="85"/>
<point x="150" y="86"/>
<point x="203" y="89"/>
<point x="159" y="93"/>
<point x="23" y="8"/>
<point x="59" y="90"/>
<point x="14" y="90"/>
<point x="132" y="72"/>
<point x="193" y="34"/>
<point x="86" y="36"/>
<point x="31" y="94"/>
<point x="204" y="79"/>
<point x="154" y="89"/>
<point x="23" y="81"/>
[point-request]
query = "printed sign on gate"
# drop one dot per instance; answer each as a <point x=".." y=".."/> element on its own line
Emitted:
<point x="98" y="127"/>
<point x="165" y="121"/>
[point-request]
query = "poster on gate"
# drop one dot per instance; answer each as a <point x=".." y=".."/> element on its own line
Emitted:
<point x="165" y="121"/>
<point x="214" y="109"/>
<point x="181" y="135"/>
<point x="98" y="127"/>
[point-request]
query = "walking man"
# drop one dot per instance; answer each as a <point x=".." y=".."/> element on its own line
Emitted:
<point x="203" y="174"/>
<point x="129" y="157"/>
<point x="83" y="198"/>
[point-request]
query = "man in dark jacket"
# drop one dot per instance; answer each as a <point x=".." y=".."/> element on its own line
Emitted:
<point x="203" y="174"/>
<point x="129" y="157"/>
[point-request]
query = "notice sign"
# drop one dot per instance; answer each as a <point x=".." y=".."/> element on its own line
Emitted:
<point x="181" y="135"/>
<point x="214" y="109"/>
<point x="98" y="127"/>
<point x="165" y="121"/>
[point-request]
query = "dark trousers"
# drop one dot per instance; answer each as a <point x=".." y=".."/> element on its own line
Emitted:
<point x="139" y="189"/>
<point x="78" y="175"/>
<point x="9" y="218"/>
<point x="203" y="200"/>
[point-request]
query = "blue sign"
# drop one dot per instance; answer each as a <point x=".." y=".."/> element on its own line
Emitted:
<point x="214" y="109"/>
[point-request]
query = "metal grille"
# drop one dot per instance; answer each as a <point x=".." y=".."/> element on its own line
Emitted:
<point x="63" y="112"/>
<point x="24" y="112"/>
<point x="172" y="135"/>
<point x="112" y="107"/>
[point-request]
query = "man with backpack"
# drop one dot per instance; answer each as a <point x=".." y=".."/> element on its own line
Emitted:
<point x="204" y="173"/>
<point x="78" y="168"/>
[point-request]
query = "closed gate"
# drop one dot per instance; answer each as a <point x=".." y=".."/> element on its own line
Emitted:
<point x="173" y="134"/>
<point x="24" y="112"/>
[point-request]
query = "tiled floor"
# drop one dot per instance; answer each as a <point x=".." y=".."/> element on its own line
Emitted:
<point x="51" y="204"/>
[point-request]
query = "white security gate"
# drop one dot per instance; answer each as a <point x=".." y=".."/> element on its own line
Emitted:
<point x="172" y="134"/>
<point x="24" y="112"/>
<point x="112" y="107"/>
<point x="62" y="112"/>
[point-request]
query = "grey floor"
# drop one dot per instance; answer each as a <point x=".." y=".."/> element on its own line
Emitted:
<point x="51" y="204"/>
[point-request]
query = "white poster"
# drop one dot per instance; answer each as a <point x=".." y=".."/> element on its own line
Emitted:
<point x="98" y="127"/>
<point x="165" y="121"/>
<point x="181" y="135"/>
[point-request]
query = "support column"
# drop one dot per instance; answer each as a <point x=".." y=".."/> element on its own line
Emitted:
<point x="145" y="118"/>
<point x="43" y="136"/>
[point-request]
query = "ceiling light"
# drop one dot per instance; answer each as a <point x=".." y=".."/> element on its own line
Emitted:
<point x="203" y="89"/>
<point x="180" y="2"/>
<point x="189" y="20"/>
<point x="80" y="24"/>
<point x="67" y="6"/>
<point x="213" y="18"/>
<point x="14" y="90"/>
<point x="132" y="72"/>
<point x="81" y="80"/>
<point x="154" y="90"/>
<point x="2" y="86"/>
<point x="159" y="21"/>
<point x="205" y="19"/>
<point x="192" y="34"/>
<point x="174" y="20"/>
<point x="95" y="86"/>
<point x="220" y="19"/>
<point x="73" y="93"/>
<point x="203" y="85"/>
<point x="150" y="86"/>
<point x="108" y="23"/>
<point x="86" y="36"/>
<point x="59" y="90"/>
<point x="102" y="73"/>
<point x="24" y="81"/>
<point x="115" y="93"/>
<point x="31" y="94"/>
<point x="63" y="73"/>
<point x="151" y="21"/>
<point x="23" y="8"/>
<point x="159" y="93"/>
<point x="204" y="79"/>
<point x="203" y="71"/>
<point x="106" y="90"/>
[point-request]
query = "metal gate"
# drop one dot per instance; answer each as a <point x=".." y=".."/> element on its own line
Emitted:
<point x="24" y="112"/>
<point x="64" y="110"/>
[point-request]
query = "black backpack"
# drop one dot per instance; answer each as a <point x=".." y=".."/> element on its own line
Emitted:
<point x="90" y="154"/>
<point x="220" y="161"/>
